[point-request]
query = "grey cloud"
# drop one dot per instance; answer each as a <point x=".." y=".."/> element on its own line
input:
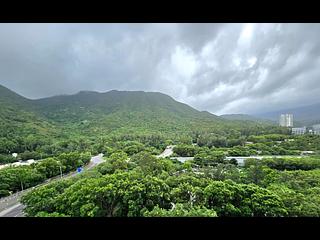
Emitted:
<point x="196" y="35"/>
<point x="222" y="68"/>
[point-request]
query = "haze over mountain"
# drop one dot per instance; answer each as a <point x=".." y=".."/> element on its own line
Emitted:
<point x="305" y="115"/>
<point x="246" y="117"/>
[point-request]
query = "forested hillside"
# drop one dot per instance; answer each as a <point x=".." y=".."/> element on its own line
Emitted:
<point x="44" y="127"/>
<point x="119" y="111"/>
<point x="130" y="129"/>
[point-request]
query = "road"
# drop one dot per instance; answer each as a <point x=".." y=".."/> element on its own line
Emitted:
<point x="14" y="211"/>
<point x="240" y="159"/>
<point x="11" y="207"/>
<point x="167" y="152"/>
<point x="96" y="160"/>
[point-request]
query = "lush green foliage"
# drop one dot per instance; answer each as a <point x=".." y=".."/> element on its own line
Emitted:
<point x="14" y="179"/>
<point x="207" y="157"/>
<point x="130" y="128"/>
<point x="185" y="150"/>
<point x="304" y="163"/>
<point x="181" y="210"/>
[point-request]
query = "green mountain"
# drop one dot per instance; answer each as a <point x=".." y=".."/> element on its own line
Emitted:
<point x="90" y="113"/>
<point x="121" y="111"/>
<point x="17" y="118"/>
<point x="91" y="105"/>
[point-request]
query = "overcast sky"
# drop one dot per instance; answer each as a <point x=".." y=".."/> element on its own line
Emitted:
<point x="221" y="68"/>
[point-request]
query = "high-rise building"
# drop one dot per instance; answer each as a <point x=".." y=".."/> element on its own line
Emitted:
<point x="286" y="120"/>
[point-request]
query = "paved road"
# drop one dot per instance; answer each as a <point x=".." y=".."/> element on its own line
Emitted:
<point x="14" y="211"/>
<point x="167" y="152"/>
<point x="11" y="206"/>
<point x="241" y="159"/>
<point x="96" y="160"/>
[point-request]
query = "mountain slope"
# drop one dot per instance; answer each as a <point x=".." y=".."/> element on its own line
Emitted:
<point x="90" y="113"/>
<point x="87" y="104"/>
<point x="17" y="118"/>
<point x="11" y="98"/>
<point x="116" y="110"/>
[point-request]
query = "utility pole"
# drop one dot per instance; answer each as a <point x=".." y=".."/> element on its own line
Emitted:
<point x="60" y="172"/>
<point x="21" y="185"/>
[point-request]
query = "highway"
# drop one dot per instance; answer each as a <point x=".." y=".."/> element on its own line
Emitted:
<point x="11" y="207"/>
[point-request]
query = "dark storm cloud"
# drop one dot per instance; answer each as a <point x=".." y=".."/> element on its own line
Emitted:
<point x="222" y="68"/>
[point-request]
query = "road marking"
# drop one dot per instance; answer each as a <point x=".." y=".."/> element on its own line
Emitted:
<point x="4" y="212"/>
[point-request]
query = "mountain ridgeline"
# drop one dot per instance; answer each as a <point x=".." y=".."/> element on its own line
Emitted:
<point x="17" y="119"/>
<point x="92" y="113"/>
<point x="87" y="105"/>
<point x="245" y="117"/>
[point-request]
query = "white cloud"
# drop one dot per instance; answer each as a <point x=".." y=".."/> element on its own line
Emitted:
<point x="184" y="62"/>
<point x="246" y="35"/>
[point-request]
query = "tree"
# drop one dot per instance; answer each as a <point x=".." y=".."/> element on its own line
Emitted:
<point x="43" y="200"/>
<point x="49" y="167"/>
<point x="147" y="162"/>
<point x="180" y="210"/>
<point x="117" y="161"/>
<point x="119" y="194"/>
<point x="294" y="202"/>
<point x="231" y="199"/>
<point x="207" y="158"/>
<point x="19" y="178"/>
<point x="185" y="150"/>
<point x="73" y="160"/>
<point x="255" y="170"/>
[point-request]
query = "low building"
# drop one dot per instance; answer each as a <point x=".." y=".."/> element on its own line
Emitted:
<point x="307" y="152"/>
<point x="316" y="129"/>
<point x="299" y="131"/>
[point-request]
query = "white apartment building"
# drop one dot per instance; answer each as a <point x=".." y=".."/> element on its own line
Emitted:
<point x="286" y="120"/>
<point x="316" y="129"/>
